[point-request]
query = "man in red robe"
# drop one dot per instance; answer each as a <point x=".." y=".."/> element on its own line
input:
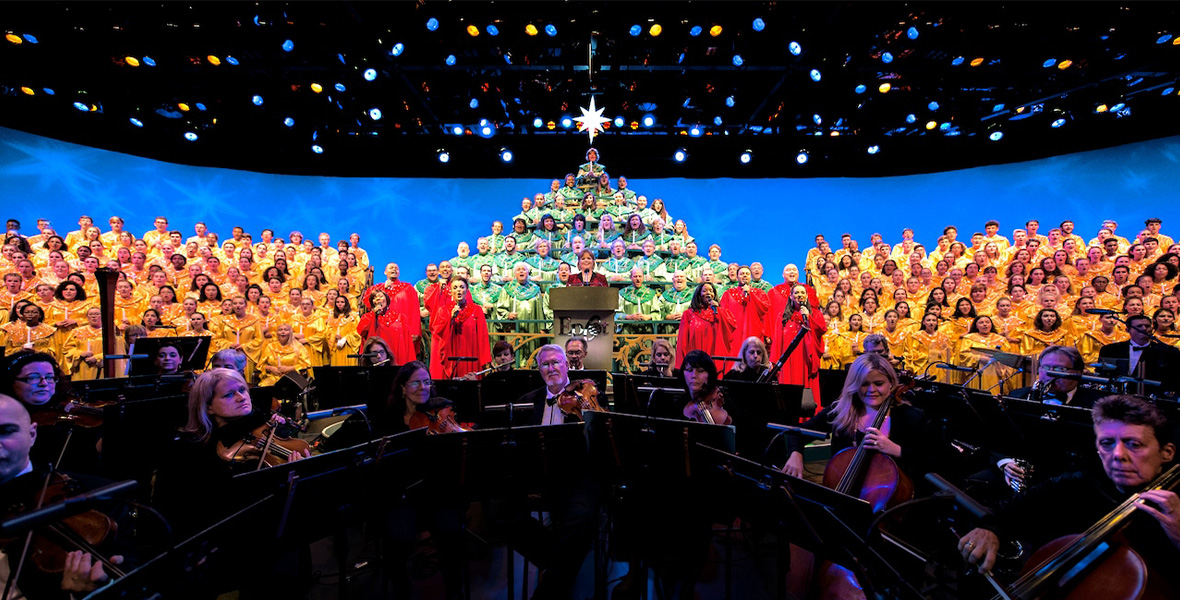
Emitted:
<point x="403" y="298"/>
<point x="748" y="305"/>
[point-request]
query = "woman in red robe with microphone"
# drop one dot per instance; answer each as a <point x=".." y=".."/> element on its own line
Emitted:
<point x="748" y="305"/>
<point x="388" y="324"/>
<point x="458" y="329"/>
<point x="706" y="326"/>
<point x="802" y="366"/>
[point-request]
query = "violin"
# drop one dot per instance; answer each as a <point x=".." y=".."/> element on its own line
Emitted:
<point x="870" y="475"/>
<point x="49" y="545"/>
<point x="701" y="410"/>
<point x="1116" y="570"/>
<point x="77" y="412"/>
<point x="271" y="444"/>
<point x="579" y="396"/>
<point x="436" y="421"/>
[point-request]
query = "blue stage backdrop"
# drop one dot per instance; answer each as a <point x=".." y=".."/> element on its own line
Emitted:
<point x="415" y="221"/>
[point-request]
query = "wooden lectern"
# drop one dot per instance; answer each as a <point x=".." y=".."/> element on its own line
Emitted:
<point x="586" y="312"/>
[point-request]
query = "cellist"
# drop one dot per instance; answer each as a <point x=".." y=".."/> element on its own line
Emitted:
<point x="1133" y="444"/>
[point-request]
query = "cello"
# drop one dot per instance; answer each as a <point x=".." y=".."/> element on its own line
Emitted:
<point x="867" y="474"/>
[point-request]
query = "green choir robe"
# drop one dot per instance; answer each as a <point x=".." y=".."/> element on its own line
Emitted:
<point x="641" y="300"/>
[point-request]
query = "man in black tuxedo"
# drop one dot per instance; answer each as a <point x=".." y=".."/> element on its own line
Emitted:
<point x="1159" y="361"/>
<point x="554" y="367"/>
<point x="1053" y="388"/>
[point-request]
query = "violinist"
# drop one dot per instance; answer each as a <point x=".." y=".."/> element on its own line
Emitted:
<point x="32" y="378"/>
<point x="229" y="358"/>
<point x="703" y="400"/>
<point x="168" y="360"/>
<point x="19" y="479"/>
<point x="1133" y="444"/>
<point x="754" y="362"/>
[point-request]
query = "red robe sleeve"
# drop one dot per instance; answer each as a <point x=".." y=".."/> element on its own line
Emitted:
<point x="405" y="301"/>
<point x="364" y="327"/>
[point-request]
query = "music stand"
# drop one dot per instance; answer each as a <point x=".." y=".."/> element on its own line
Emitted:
<point x="120" y="389"/>
<point x="753" y="405"/>
<point x="137" y="434"/>
<point x="628" y="398"/>
<point x="194" y="353"/>
<point x="465" y="393"/>
<point x="347" y="386"/>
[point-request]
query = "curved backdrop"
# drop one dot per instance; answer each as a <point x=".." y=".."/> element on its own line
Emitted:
<point x="415" y="221"/>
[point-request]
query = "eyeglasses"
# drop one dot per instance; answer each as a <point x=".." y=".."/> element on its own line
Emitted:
<point x="38" y="378"/>
<point x="553" y="364"/>
<point x="415" y="385"/>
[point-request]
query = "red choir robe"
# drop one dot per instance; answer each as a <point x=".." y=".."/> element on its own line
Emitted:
<point x="706" y="330"/>
<point x="404" y="299"/>
<point x="802" y="367"/>
<point x="465" y="334"/>
<point x="391" y="328"/>
<point x="749" y="312"/>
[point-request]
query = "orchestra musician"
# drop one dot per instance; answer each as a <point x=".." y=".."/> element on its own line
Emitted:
<point x="1133" y="444"/>
<point x="1159" y="361"/>
<point x="660" y="364"/>
<point x="754" y="361"/>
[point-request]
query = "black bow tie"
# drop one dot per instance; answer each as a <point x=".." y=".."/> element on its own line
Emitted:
<point x="1140" y="348"/>
<point x="551" y="401"/>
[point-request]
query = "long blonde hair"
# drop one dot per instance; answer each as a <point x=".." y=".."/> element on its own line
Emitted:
<point x="752" y="341"/>
<point x="849" y="407"/>
<point x="200" y="397"/>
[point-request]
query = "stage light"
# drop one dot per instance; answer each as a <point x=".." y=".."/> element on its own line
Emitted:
<point x="493" y="30"/>
<point x="738" y="60"/>
<point x="956" y="61"/>
<point x="530" y="29"/>
<point x="14" y="38"/>
<point x="1163" y="39"/>
<point x="190" y="136"/>
<point x="911" y="118"/>
<point x="51" y="92"/>
<point x="1167" y="90"/>
<point x="486" y="131"/>
<point x="932" y="106"/>
<point x="231" y="60"/>
<point x="695" y="31"/>
<point x="656" y="30"/>
<point x="288" y="45"/>
<point x="317" y="88"/>
<point x="82" y="107"/>
<point x="884" y="88"/>
<point x="213" y="60"/>
<point x="289" y="122"/>
<point x="505" y="155"/>
<point x="635" y="30"/>
<point x="1065" y="64"/>
<point x="318" y="149"/>
<point x="818" y="119"/>
<point x="375" y="114"/>
<point x="976" y="62"/>
<point x="1058" y="122"/>
<point x="746" y="157"/>
<point x="444" y="156"/>
<point x="795" y="48"/>
<point x="998" y="108"/>
<point x="1118" y="107"/>
<point x="131" y="61"/>
<point x="538" y="123"/>
<point x="398" y="48"/>
<point x="147" y="60"/>
<point x="1101" y="108"/>
<point x="340" y="87"/>
<point x="717" y="121"/>
<point x="996" y="136"/>
<point x="457" y="130"/>
<point x="729" y="101"/>
<point x="257" y="100"/>
<point x="136" y="122"/>
<point x="183" y="107"/>
<point x="802" y="157"/>
<point x="550" y="125"/>
<point x="694" y="131"/>
<point x="1048" y="64"/>
<point x="931" y="124"/>
<point x="680" y="155"/>
<point x="945" y="126"/>
<point x="370" y="74"/>
<point x="550" y="30"/>
<point x="648" y="120"/>
<point x="472" y="30"/>
<point x="567" y="122"/>
<point x="432" y="24"/>
<point x="474" y="103"/>
<point x="759" y="24"/>
<point x="450" y="60"/>
<point x="860" y="89"/>
<point x="620" y="121"/>
<point x="816" y="75"/>
<point x="874" y="149"/>
<point x="715" y="30"/>
<point x="29" y="38"/>
<point x="886" y="57"/>
<point x="912" y="33"/>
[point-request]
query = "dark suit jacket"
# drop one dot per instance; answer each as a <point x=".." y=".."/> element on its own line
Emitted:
<point x="1161" y="360"/>
<point x="537" y="399"/>
<point x="1082" y="398"/>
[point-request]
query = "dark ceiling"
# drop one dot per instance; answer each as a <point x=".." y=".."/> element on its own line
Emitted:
<point x="989" y="67"/>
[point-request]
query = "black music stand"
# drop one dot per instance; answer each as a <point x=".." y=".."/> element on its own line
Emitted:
<point x="628" y="398"/>
<point x="753" y="405"/>
<point x="137" y="434"/>
<point x="465" y="393"/>
<point x="194" y="353"/>
<point x="119" y="389"/>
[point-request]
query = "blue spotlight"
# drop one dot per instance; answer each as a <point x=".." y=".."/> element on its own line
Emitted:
<point x="759" y="24"/>
<point x="717" y="121"/>
<point x="636" y="30"/>
<point x="1167" y="91"/>
<point x="505" y="155"/>
<point x="746" y="157"/>
<point x="680" y="155"/>
<point x="375" y="114"/>
<point x="493" y="30"/>
<point x="996" y="136"/>
<point x="190" y="136"/>
<point x="912" y="33"/>
<point x="956" y="61"/>
<point x="457" y="130"/>
<point x="200" y="106"/>
<point x="288" y="45"/>
<point x="432" y="24"/>
<point x="538" y="123"/>
<point x="289" y="122"/>
<point x="738" y="60"/>
<point x="945" y="126"/>
<point x="318" y="149"/>
<point x="567" y="122"/>
<point x="816" y="75"/>
<point x="450" y="60"/>
<point x="1050" y="63"/>
<point x="1118" y="107"/>
<point x="550" y="30"/>
<point x="886" y="57"/>
<point x="231" y="60"/>
<point x="911" y="118"/>
<point x="998" y="107"/>
<point x="802" y="157"/>
<point x="370" y="74"/>
<point x="136" y="122"/>
<point x="694" y="32"/>
<point x="50" y="91"/>
<point x="486" y="131"/>
<point x="694" y="131"/>
<point x="474" y="103"/>
<point x="648" y="120"/>
<point x="444" y="157"/>
<point x="257" y="100"/>
<point x="729" y="101"/>
<point x="398" y="48"/>
<point x="795" y="48"/>
<point x="860" y="89"/>
<point x="1058" y="122"/>
<point x="147" y="60"/>
<point x="620" y="121"/>
<point x="82" y="107"/>
<point x="932" y="106"/>
<point x="1163" y="39"/>
<point x="30" y="38"/>
<point x="874" y="149"/>
<point x="339" y="87"/>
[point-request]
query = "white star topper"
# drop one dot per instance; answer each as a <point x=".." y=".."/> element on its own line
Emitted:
<point x="591" y="120"/>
